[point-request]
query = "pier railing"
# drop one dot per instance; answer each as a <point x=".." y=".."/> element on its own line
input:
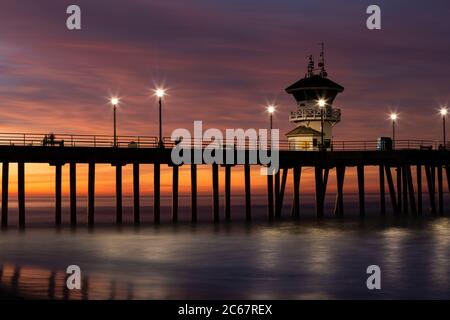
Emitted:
<point x="128" y="141"/>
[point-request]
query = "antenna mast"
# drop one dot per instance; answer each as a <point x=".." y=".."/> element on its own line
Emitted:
<point x="323" y="72"/>
<point x="310" y="67"/>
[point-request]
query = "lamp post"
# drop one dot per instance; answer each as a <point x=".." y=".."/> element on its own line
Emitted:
<point x="321" y="103"/>
<point x="270" y="110"/>
<point x="394" y="118"/>
<point x="444" y="113"/>
<point x="160" y="93"/>
<point x="115" y="102"/>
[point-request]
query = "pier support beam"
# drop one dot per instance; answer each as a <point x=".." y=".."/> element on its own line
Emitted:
<point x="410" y="184"/>
<point x="277" y="192"/>
<point x="227" y="193"/>
<point x="431" y="187"/>
<point x="248" y="204"/>
<point x="281" y="194"/>
<point x="339" y="207"/>
<point x="215" y="187"/>
<point x="391" y="187"/>
<point x="399" y="189"/>
<point x="58" y="194"/>
<point x="156" y="192"/>
<point x="319" y="192"/>
<point x="361" y="190"/>
<point x="136" y="194"/>
<point x="440" y="190"/>
<point x="91" y="194"/>
<point x="296" y="206"/>
<point x="194" y="192"/>
<point x="405" y="189"/>
<point x="119" y="211"/>
<point x="270" y="209"/>
<point x="5" y="185"/>
<point x="73" y="194"/>
<point x="21" y="192"/>
<point x="382" y="190"/>
<point x="419" y="189"/>
<point x="175" y="178"/>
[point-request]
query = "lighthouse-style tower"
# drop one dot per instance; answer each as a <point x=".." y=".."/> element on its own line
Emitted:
<point x="315" y="115"/>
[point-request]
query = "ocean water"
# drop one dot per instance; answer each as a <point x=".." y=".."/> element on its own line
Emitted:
<point x="305" y="259"/>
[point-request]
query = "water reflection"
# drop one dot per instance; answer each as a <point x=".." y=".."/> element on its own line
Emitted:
<point x="286" y="260"/>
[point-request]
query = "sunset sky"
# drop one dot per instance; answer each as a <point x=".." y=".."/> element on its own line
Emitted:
<point x="221" y="61"/>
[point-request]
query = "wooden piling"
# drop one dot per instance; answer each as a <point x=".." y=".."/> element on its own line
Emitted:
<point x="21" y="192"/>
<point x="440" y="190"/>
<point x="361" y="190"/>
<point x="58" y="194"/>
<point x="215" y="187"/>
<point x="382" y="190"/>
<point x="227" y="193"/>
<point x="430" y="187"/>
<point x="136" y="194"/>
<point x="194" y="192"/>
<point x="91" y="194"/>
<point x="419" y="189"/>
<point x="399" y="189"/>
<point x="156" y="192"/>
<point x="281" y="194"/>
<point x="73" y="194"/>
<point x="340" y="175"/>
<point x="270" y="210"/>
<point x="405" y="189"/>
<point x="319" y="192"/>
<point x="277" y="192"/>
<point x="119" y="211"/>
<point x="5" y="185"/>
<point x="175" y="178"/>
<point x="447" y="173"/>
<point x="391" y="188"/>
<point x="297" y="176"/>
<point x="248" y="204"/>
<point x="410" y="184"/>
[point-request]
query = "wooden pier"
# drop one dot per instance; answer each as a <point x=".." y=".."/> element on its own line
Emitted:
<point x="405" y="193"/>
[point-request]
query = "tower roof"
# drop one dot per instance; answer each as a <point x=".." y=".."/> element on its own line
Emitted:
<point x="314" y="87"/>
<point x="315" y="82"/>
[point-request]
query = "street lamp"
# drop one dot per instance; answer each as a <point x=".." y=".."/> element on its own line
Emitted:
<point x="394" y="118"/>
<point x="270" y="110"/>
<point x="444" y="113"/>
<point x="321" y="103"/>
<point x="115" y="101"/>
<point x="160" y="93"/>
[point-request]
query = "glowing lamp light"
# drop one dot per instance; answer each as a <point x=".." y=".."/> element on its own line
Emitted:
<point x="443" y="111"/>
<point x="271" y="109"/>
<point x="394" y="116"/>
<point x="160" y="92"/>
<point x="114" y="101"/>
<point x="321" y="103"/>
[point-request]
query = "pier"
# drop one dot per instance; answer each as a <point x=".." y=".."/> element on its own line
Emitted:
<point x="400" y="171"/>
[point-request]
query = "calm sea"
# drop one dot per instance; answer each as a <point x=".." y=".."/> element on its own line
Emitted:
<point x="284" y="260"/>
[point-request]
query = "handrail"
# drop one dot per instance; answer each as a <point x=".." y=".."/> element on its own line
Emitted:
<point x="130" y="141"/>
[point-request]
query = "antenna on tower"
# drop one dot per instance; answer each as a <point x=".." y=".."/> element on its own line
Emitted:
<point x="310" y="67"/>
<point x="321" y="64"/>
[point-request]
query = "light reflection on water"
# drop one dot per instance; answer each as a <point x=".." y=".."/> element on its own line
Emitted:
<point x="287" y="260"/>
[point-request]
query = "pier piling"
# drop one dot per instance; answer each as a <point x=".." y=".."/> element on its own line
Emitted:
<point x="136" y="194"/>
<point x="58" y="194"/>
<point x="361" y="190"/>
<point x="419" y="189"/>
<point x="319" y="191"/>
<point x="193" y="192"/>
<point x="248" y="204"/>
<point x="440" y="190"/>
<point x="91" y="194"/>
<point x="297" y="176"/>
<point x="270" y="210"/>
<point x="175" y="178"/>
<point x="227" y="193"/>
<point x="215" y="187"/>
<point x="5" y="185"/>
<point x="21" y="192"/>
<point x="156" y="192"/>
<point x="73" y="194"/>
<point x="119" y="211"/>
<point x="382" y="190"/>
